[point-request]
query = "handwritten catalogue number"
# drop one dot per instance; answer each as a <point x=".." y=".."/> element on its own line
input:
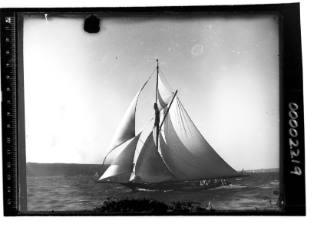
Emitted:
<point x="293" y="138"/>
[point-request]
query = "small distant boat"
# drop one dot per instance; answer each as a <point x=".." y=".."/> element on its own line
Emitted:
<point x="172" y="155"/>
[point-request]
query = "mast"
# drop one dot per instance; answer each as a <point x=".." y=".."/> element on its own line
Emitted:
<point x="157" y="81"/>
<point x="157" y="112"/>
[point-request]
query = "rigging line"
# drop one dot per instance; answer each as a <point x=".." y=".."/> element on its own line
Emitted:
<point x="157" y="80"/>
<point x="151" y="74"/>
<point x="165" y="79"/>
<point x="171" y="102"/>
<point x="156" y="105"/>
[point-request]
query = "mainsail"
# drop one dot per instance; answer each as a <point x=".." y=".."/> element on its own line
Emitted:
<point x="182" y="153"/>
<point x="185" y="150"/>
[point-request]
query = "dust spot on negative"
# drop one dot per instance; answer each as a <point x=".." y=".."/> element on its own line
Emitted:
<point x="197" y="50"/>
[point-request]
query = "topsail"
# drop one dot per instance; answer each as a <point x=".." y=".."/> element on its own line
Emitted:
<point x="164" y="94"/>
<point x="182" y="153"/>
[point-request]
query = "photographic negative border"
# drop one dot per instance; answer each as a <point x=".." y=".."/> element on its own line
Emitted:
<point x="292" y="159"/>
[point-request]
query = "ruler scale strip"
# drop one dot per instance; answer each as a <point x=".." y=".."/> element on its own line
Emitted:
<point x="9" y="117"/>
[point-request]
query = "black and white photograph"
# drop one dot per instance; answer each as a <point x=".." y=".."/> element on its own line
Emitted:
<point x="179" y="114"/>
<point x="153" y="111"/>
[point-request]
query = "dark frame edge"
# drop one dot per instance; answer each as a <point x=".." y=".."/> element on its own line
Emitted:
<point x="21" y="156"/>
<point x="292" y="92"/>
<point x="8" y="174"/>
<point x="290" y="86"/>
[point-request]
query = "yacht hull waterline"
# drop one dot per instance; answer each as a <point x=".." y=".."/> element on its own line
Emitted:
<point x="175" y="185"/>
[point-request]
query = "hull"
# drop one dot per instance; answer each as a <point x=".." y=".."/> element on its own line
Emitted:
<point x="173" y="186"/>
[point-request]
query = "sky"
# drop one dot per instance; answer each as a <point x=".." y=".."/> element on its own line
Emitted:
<point x="78" y="85"/>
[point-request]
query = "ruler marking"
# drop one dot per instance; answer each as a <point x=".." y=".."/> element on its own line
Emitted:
<point x="9" y="105"/>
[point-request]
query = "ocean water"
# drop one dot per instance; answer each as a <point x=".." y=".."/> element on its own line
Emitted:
<point x="259" y="191"/>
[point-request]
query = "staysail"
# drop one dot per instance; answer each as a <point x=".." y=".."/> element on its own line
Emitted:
<point x="121" y="153"/>
<point x="120" y="162"/>
<point x="149" y="166"/>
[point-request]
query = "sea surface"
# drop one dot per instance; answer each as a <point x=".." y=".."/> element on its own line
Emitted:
<point x="258" y="191"/>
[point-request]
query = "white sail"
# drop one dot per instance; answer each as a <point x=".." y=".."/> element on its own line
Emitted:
<point x="181" y="154"/>
<point x="164" y="94"/>
<point x="183" y="148"/>
<point x="149" y="166"/>
<point x="121" y="162"/>
<point x="145" y="132"/>
<point x="185" y="151"/>
<point x="126" y="128"/>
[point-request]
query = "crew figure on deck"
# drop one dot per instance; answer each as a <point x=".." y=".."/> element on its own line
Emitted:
<point x="157" y="118"/>
<point x="157" y="115"/>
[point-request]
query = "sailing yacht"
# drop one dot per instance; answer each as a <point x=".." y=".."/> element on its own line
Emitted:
<point x="173" y="154"/>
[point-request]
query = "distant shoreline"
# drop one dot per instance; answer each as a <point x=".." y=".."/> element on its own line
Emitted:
<point x="74" y="169"/>
<point x="62" y="169"/>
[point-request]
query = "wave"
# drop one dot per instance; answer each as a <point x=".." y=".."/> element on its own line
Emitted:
<point x="231" y="186"/>
<point x="275" y="182"/>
